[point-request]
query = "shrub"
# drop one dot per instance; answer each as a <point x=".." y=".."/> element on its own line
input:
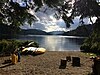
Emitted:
<point x="8" y="46"/>
<point x="85" y="47"/>
<point x="91" y="45"/>
<point x="94" y="47"/>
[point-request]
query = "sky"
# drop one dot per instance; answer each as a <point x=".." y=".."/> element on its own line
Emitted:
<point x="47" y="22"/>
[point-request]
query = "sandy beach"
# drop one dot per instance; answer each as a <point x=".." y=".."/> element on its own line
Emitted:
<point x="47" y="64"/>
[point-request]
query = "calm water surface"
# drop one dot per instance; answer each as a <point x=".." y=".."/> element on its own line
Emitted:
<point x="55" y="42"/>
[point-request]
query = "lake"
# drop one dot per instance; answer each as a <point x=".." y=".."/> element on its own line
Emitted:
<point x="55" y="42"/>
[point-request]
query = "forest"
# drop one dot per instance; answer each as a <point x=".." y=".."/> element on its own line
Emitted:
<point x="13" y="15"/>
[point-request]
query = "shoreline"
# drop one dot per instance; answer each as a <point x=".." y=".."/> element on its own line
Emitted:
<point x="48" y="64"/>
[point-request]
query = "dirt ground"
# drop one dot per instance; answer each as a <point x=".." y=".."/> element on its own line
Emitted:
<point x="47" y="64"/>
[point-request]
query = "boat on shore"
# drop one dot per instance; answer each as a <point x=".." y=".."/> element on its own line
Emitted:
<point x="33" y="50"/>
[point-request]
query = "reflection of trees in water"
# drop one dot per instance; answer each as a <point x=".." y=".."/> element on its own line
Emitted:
<point x="55" y="43"/>
<point x="77" y="41"/>
<point x="38" y="39"/>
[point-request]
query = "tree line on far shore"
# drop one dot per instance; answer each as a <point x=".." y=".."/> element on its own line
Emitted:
<point x="13" y="15"/>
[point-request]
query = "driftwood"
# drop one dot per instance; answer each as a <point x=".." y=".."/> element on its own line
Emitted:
<point x="68" y="58"/>
<point x="63" y="63"/>
<point x="96" y="66"/>
<point x="76" y="61"/>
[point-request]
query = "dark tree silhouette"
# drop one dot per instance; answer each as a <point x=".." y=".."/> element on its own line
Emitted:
<point x="14" y="15"/>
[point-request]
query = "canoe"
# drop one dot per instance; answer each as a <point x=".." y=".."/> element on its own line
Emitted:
<point x="33" y="50"/>
<point x="40" y="50"/>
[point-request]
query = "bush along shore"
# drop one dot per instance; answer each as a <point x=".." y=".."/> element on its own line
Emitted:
<point x="91" y="44"/>
<point x="49" y="63"/>
<point x="8" y="46"/>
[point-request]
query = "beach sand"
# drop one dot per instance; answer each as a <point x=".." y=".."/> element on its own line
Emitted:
<point x="47" y="64"/>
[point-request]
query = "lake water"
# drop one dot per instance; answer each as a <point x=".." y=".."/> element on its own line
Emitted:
<point x="55" y="42"/>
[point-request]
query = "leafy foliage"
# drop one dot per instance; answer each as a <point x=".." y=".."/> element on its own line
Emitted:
<point x="13" y="15"/>
<point x="89" y="8"/>
<point x="92" y="43"/>
<point x="86" y="8"/>
<point x="8" y="46"/>
<point x="54" y="3"/>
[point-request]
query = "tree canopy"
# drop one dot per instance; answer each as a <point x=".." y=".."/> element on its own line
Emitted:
<point x="13" y="14"/>
<point x="86" y="8"/>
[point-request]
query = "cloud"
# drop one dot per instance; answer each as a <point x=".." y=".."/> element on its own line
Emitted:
<point x="61" y="23"/>
<point x="47" y="21"/>
<point x="22" y="4"/>
<point x="39" y="26"/>
<point x="76" y="21"/>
